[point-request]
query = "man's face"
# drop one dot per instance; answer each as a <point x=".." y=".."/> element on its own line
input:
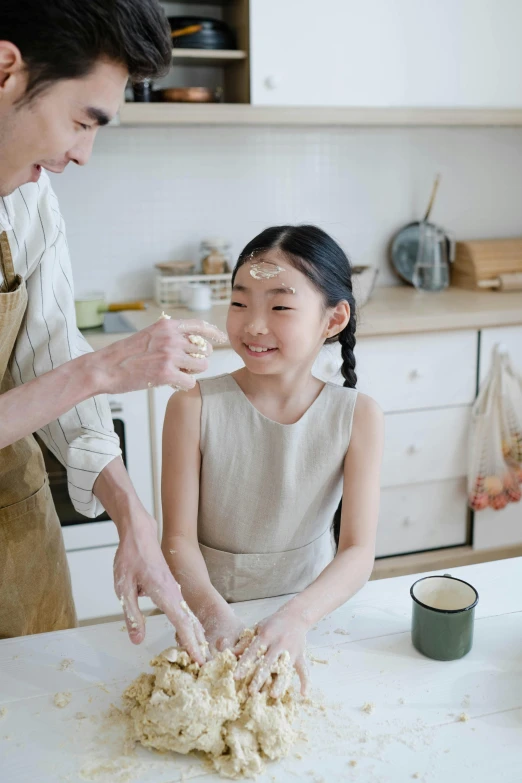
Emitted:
<point x="58" y="126"/>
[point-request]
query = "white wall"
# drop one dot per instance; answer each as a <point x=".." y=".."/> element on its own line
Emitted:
<point x="151" y="194"/>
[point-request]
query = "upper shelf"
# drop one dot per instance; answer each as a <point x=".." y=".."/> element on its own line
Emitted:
<point x="245" y="114"/>
<point x="207" y="56"/>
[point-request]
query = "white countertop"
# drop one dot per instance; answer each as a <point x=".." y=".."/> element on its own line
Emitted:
<point x="391" y="310"/>
<point x="421" y="738"/>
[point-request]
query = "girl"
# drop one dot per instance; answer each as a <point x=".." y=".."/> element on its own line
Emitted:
<point x="255" y="463"/>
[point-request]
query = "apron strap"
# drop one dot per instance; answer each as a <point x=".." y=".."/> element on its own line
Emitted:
<point x="6" y="262"/>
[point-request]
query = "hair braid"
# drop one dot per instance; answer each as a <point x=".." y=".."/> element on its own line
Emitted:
<point x="347" y="341"/>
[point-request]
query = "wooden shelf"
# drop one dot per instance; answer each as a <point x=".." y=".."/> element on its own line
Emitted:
<point x="207" y="56"/>
<point x="245" y="114"/>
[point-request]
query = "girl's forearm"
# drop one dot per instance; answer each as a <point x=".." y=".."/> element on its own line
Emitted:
<point x="340" y="580"/>
<point x="188" y="566"/>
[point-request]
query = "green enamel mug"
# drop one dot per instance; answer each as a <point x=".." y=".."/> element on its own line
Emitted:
<point x="443" y="617"/>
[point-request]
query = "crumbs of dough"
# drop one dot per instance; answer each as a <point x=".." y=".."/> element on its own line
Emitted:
<point x="352" y="763"/>
<point x="3" y="712"/>
<point x="463" y="717"/>
<point x="316" y="660"/>
<point x="342" y="632"/>
<point x="368" y="707"/>
<point x="62" y="699"/>
<point x="184" y="707"/>
<point x="65" y="664"/>
<point x="120" y="770"/>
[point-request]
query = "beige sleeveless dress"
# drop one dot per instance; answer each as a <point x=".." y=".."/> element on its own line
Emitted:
<point x="269" y="491"/>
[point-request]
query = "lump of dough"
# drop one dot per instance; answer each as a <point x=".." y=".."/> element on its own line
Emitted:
<point x="62" y="699"/>
<point x="184" y="706"/>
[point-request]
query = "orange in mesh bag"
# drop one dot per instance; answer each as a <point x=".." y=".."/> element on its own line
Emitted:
<point x="496" y="439"/>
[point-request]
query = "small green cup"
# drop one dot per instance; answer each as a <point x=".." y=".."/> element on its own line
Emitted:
<point x="443" y="617"/>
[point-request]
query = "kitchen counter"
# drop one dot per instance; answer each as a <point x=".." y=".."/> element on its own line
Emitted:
<point x="413" y="732"/>
<point x="391" y="310"/>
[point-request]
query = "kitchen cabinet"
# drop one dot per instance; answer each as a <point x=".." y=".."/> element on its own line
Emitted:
<point x="425" y="446"/>
<point x="410" y="372"/>
<point x="417" y="517"/>
<point x="492" y="529"/>
<point x="425" y="383"/>
<point x="377" y="53"/>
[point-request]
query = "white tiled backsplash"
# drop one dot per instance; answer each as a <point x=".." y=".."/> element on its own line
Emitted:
<point x="151" y="194"/>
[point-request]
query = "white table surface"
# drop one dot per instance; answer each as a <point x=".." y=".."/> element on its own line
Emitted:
<point x="414" y="732"/>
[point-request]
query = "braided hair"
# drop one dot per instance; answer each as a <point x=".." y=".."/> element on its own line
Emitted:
<point x="315" y="254"/>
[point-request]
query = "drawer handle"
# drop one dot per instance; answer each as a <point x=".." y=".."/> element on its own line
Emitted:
<point x="271" y="83"/>
<point x="412" y="449"/>
<point x="414" y="375"/>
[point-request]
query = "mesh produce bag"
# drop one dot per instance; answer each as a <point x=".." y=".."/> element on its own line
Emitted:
<point x="511" y="401"/>
<point x="494" y="472"/>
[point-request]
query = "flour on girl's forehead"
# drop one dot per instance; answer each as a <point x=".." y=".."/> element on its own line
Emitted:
<point x="266" y="270"/>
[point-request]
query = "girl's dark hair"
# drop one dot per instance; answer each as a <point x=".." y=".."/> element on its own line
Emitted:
<point x="63" y="39"/>
<point x="313" y="252"/>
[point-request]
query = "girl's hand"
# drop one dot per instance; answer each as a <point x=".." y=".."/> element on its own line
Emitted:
<point x="223" y="629"/>
<point x="280" y="632"/>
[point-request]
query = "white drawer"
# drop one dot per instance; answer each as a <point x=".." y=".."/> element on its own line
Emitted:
<point x="422" y="516"/>
<point x="425" y="446"/>
<point x="92" y="583"/>
<point x="408" y="372"/>
<point x="492" y="529"/>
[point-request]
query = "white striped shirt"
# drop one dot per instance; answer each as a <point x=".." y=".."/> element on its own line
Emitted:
<point x="83" y="439"/>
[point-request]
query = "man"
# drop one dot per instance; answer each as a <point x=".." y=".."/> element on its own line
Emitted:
<point x="64" y="65"/>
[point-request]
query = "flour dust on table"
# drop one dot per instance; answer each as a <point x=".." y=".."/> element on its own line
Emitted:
<point x="186" y="707"/>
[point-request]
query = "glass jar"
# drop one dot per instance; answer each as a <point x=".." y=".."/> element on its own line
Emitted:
<point x="431" y="271"/>
<point x="215" y="256"/>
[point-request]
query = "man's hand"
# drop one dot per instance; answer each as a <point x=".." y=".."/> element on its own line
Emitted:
<point x="139" y="565"/>
<point x="159" y="355"/>
<point x="140" y="569"/>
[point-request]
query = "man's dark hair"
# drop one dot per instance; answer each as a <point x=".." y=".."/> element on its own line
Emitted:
<point x="63" y="39"/>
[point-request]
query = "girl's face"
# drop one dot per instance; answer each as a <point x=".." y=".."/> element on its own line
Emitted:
<point x="279" y="323"/>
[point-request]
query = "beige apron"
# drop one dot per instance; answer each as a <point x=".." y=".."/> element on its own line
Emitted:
<point x="269" y="491"/>
<point x="35" y="585"/>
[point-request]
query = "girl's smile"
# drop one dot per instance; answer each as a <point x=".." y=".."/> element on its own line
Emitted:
<point x="259" y="351"/>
